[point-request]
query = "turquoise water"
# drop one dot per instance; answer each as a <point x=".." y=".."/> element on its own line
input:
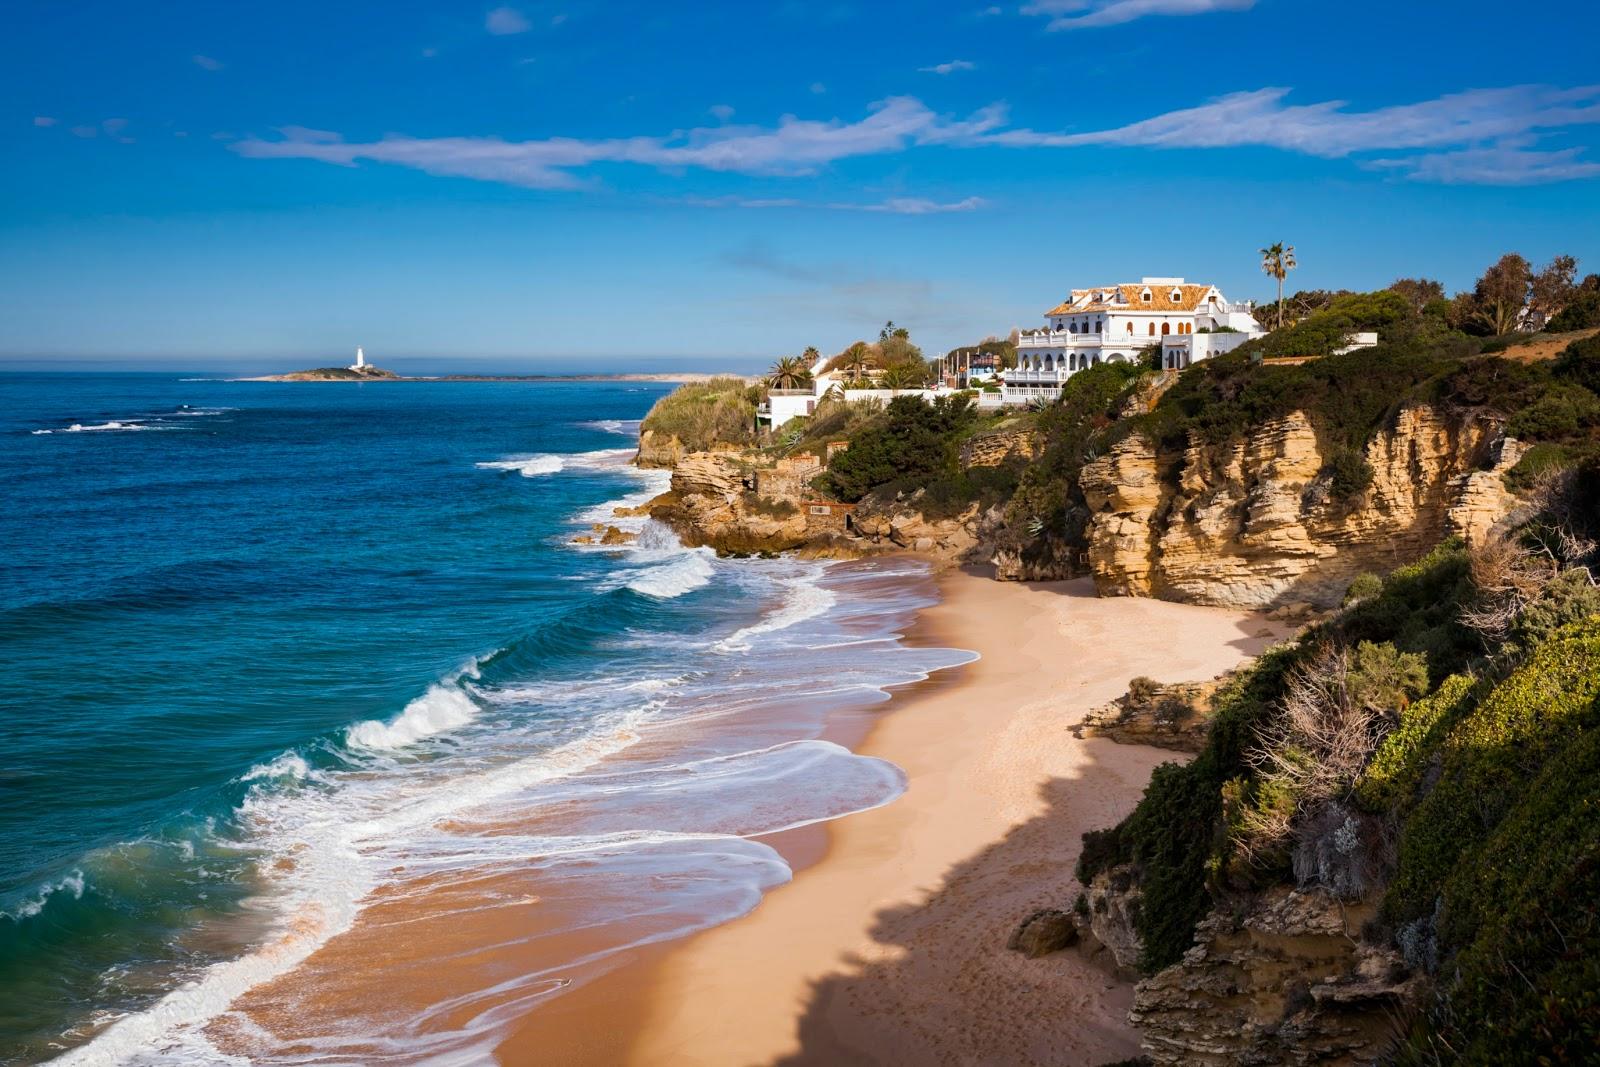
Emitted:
<point x="263" y="645"/>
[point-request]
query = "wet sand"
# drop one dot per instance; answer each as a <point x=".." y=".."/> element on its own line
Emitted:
<point x="888" y="947"/>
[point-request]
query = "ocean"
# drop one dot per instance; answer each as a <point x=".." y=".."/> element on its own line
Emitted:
<point x="295" y="675"/>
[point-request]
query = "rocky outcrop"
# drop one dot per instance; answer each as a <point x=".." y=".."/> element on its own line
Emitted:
<point x="900" y="523"/>
<point x="1001" y="446"/>
<point x="659" y="450"/>
<point x="1176" y="715"/>
<point x="606" y="535"/>
<point x="1482" y="500"/>
<point x="1125" y="495"/>
<point x="1257" y="524"/>
<point x="1107" y="921"/>
<point x="712" y="501"/>
<point x="1282" y="980"/>
<point x="1044" y="559"/>
<point x="1045" y="931"/>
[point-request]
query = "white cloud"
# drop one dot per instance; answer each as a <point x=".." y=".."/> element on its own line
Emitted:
<point x="206" y="62"/>
<point x="43" y="120"/>
<point x="86" y="131"/>
<point x="950" y="67"/>
<point x="114" y="125"/>
<point x="898" y="205"/>
<point x="817" y="88"/>
<point x="1480" y="135"/>
<point x="794" y="147"/>
<point x="504" y="21"/>
<point x="1503" y="164"/>
<point x="1469" y="121"/>
<point x="1088" y="14"/>
<point x="720" y="112"/>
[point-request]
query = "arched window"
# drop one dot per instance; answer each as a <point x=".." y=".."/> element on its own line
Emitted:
<point x="1049" y="363"/>
<point x="1072" y="327"/>
<point x="1166" y="328"/>
<point x="1152" y="329"/>
<point x="1130" y="329"/>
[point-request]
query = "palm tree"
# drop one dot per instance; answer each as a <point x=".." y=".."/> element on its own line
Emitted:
<point x="790" y="372"/>
<point x="855" y="361"/>
<point x="906" y="376"/>
<point x="1277" y="260"/>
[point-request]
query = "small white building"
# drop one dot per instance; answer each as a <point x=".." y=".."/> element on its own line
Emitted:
<point x="1113" y="323"/>
<point x="785" y="404"/>
<point x="361" y="360"/>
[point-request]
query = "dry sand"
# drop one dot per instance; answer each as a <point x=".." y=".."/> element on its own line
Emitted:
<point x="889" y="948"/>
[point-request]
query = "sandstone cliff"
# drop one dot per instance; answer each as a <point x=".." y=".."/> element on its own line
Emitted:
<point x="1257" y="524"/>
<point x="712" y="501"/>
<point x="1284" y="979"/>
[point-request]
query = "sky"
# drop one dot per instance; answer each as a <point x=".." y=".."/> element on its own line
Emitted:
<point x="589" y="186"/>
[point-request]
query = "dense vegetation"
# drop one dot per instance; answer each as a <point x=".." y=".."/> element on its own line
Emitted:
<point x="721" y="411"/>
<point x="1436" y="746"/>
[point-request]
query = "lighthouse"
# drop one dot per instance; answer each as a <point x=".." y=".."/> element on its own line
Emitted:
<point x="361" y="360"/>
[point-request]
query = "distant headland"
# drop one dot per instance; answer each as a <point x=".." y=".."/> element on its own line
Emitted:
<point x="362" y="371"/>
<point x="378" y="374"/>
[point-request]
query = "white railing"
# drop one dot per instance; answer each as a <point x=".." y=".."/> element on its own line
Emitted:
<point x="1060" y="339"/>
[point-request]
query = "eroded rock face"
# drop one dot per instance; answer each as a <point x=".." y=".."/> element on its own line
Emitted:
<point x="1175" y="715"/>
<point x="1255" y="524"/>
<point x="1287" y="981"/>
<point x="711" y="502"/>
<point x="659" y="450"/>
<point x="1107" y="927"/>
<point x="1045" y="559"/>
<point x="1045" y="931"/>
<point x="993" y="449"/>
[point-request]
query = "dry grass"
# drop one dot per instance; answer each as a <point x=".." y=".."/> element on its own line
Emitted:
<point x="1540" y="346"/>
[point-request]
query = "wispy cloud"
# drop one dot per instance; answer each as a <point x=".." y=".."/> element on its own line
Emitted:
<point x="1088" y="14"/>
<point x="1486" y="136"/>
<point x="792" y="148"/>
<point x="949" y="68"/>
<point x="896" y="205"/>
<point x="720" y="112"/>
<point x="1470" y="125"/>
<point x="206" y="62"/>
<point x="43" y="120"/>
<point x="504" y="21"/>
<point x="1510" y="163"/>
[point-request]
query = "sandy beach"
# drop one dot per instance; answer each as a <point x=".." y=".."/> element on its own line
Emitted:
<point x="889" y="944"/>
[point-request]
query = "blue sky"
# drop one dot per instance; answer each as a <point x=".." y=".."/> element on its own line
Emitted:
<point x="586" y="185"/>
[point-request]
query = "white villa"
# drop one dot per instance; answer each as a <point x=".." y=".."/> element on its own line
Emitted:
<point x="1112" y="323"/>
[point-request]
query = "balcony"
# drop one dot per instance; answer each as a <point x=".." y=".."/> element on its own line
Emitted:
<point x="1059" y="339"/>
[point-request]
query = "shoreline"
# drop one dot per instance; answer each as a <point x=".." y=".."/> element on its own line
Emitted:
<point x="888" y="945"/>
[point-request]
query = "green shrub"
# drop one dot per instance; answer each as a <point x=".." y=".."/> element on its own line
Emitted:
<point x="1583" y="313"/>
<point x="1579" y="363"/>
<point x="702" y="415"/>
<point x="1565" y="410"/>
<point x="1395" y="773"/>
<point x="1348" y="474"/>
<point x="913" y="443"/>
<point x="1487" y="761"/>
<point x="1500" y="863"/>
<point x="1363" y="587"/>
